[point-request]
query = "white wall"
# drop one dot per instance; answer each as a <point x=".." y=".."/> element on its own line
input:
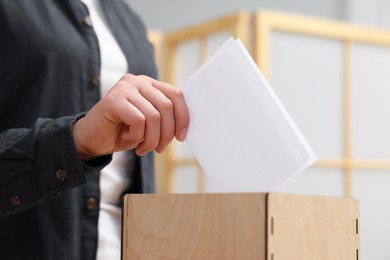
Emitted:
<point x="370" y="12"/>
<point x="172" y="14"/>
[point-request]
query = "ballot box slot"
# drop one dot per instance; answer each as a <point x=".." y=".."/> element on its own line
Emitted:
<point x="357" y="226"/>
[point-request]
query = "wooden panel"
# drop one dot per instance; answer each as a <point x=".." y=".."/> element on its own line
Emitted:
<point x="372" y="189"/>
<point x="194" y="226"/>
<point x="312" y="227"/>
<point x="237" y="23"/>
<point x="315" y="26"/>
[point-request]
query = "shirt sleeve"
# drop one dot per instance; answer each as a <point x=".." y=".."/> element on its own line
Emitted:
<point x="41" y="162"/>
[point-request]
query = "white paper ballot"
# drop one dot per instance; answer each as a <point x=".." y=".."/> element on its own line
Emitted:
<point x="240" y="133"/>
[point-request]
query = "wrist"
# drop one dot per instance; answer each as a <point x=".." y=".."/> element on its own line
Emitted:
<point x="79" y="140"/>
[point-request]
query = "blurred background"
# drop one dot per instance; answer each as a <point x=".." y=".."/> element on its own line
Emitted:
<point x="329" y="63"/>
<point x="174" y="14"/>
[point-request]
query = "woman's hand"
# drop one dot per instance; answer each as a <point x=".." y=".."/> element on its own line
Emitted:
<point x="138" y="112"/>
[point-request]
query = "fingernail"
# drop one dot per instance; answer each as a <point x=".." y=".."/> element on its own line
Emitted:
<point x="161" y="149"/>
<point x="183" y="135"/>
<point x="139" y="152"/>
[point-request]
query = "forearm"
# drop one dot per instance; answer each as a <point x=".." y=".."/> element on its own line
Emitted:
<point x="40" y="162"/>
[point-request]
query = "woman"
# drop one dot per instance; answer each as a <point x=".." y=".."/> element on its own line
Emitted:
<point x="55" y="63"/>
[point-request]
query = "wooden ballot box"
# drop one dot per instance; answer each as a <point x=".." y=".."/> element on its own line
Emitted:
<point x="242" y="226"/>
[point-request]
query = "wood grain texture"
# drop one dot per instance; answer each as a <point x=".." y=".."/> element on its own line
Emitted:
<point x="195" y="226"/>
<point x="312" y="227"/>
<point x="240" y="226"/>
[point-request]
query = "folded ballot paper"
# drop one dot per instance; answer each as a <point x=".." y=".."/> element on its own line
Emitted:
<point x="240" y="133"/>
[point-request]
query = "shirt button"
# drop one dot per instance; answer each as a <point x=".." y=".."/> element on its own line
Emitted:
<point x="95" y="80"/>
<point x="15" y="200"/>
<point x="88" y="21"/>
<point x="61" y="175"/>
<point x="91" y="203"/>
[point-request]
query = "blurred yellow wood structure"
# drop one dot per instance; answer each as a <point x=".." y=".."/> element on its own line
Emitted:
<point x="255" y="30"/>
<point x="261" y="226"/>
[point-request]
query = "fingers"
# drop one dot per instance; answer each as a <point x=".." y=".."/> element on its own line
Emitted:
<point x="163" y="107"/>
<point x="181" y="114"/>
<point x="153" y="119"/>
<point x="138" y="112"/>
<point x="162" y="115"/>
<point x="133" y="130"/>
<point x="113" y="124"/>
